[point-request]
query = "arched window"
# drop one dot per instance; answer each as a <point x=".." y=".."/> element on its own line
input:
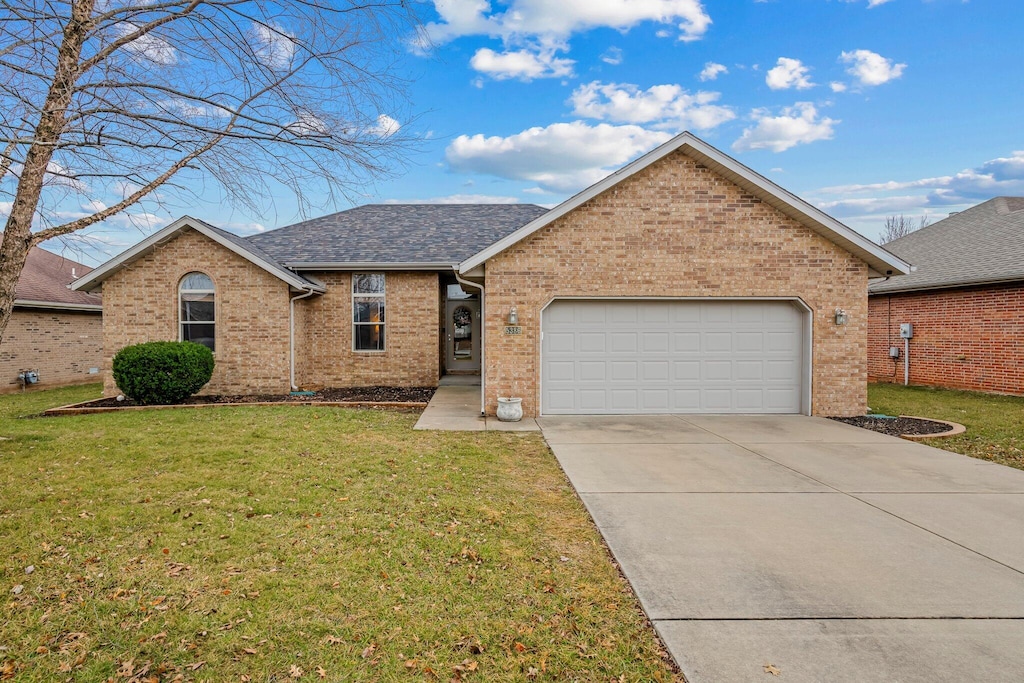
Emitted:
<point x="197" y="311"/>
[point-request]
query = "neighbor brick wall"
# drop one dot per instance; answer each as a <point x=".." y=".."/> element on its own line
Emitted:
<point x="678" y="229"/>
<point x="141" y="304"/>
<point x="61" y="345"/>
<point x="969" y="338"/>
<point x="325" y="356"/>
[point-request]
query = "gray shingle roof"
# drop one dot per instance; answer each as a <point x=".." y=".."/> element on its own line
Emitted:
<point x="257" y="251"/>
<point x="982" y="244"/>
<point x="396" y="233"/>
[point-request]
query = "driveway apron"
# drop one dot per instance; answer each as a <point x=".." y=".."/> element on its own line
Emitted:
<point x="806" y="547"/>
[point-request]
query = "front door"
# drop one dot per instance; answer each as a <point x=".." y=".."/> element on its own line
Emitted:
<point x="462" y="329"/>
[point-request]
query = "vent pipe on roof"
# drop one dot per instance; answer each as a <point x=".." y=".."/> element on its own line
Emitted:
<point x="953" y="213"/>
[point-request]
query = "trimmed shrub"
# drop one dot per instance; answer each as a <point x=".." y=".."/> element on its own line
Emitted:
<point x="162" y="372"/>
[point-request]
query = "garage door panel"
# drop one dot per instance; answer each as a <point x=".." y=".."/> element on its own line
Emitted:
<point x="717" y="342"/>
<point x="593" y="371"/>
<point x="623" y="342"/>
<point x="615" y="357"/>
<point x="716" y="370"/>
<point x="624" y="370"/>
<point x="592" y="342"/>
<point x="683" y="370"/>
<point x="562" y="371"/>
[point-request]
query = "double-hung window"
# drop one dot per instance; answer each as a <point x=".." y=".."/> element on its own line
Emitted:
<point x="197" y="313"/>
<point x="368" y="311"/>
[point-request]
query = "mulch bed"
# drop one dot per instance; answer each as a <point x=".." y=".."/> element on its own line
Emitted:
<point x="358" y="394"/>
<point x="896" y="426"/>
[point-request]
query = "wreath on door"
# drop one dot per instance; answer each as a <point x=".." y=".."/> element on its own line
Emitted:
<point x="462" y="317"/>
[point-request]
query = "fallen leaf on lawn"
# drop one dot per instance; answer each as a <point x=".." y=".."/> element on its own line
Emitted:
<point x="532" y="673"/>
<point x="369" y="650"/>
<point x="519" y="647"/>
<point x="334" y="640"/>
<point x="249" y="650"/>
<point x="321" y="672"/>
<point x="771" y="669"/>
<point x="195" y="667"/>
<point x="295" y="671"/>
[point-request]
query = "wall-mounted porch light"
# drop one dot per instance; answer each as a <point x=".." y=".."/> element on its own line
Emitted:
<point x="513" y="316"/>
<point x="840" y="316"/>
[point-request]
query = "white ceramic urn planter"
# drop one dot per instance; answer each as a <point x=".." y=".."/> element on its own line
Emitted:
<point x="510" y="409"/>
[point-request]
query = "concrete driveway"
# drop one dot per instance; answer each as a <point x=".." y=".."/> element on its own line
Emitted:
<point x="826" y="551"/>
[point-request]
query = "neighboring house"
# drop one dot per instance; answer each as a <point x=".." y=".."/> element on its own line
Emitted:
<point x="53" y="331"/>
<point x="684" y="282"/>
<point x="965" y="301"/>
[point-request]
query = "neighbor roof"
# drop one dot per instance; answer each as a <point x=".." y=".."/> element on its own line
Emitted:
<point x="880" y="261"/>
<point x="44" y="281"/>
<point x="414" y="235"/>
<point x="983" y="244"/>
<point x="239" y="245"/>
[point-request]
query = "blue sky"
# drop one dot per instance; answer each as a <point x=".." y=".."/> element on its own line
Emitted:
<point x="865" y="108"/>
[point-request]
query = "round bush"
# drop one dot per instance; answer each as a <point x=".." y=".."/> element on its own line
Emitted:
<point x="162" y="372"/>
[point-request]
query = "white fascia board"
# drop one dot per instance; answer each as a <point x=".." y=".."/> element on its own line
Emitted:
<point x="55" y="305"/>
<point x="877" y="258"/>
<point x="93" y="278"/>
<point x="367" y="265"/>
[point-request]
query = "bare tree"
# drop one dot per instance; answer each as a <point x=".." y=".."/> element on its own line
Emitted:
<point x="116" y="98"/>
<point x="901" y="226"/>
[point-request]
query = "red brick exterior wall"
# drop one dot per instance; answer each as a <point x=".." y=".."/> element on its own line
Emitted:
<point x="324" y="330"/>
<point x="252" y="330"/>
<point x="677" y="229"/>
<point x="140" y="304"/>
<point x="61" y="345"/>
<point x="968" y="338"/>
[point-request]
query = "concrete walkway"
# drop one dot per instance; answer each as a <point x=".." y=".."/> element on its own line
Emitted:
<point x="825" y="551"/>
<point x="456" y="408"/>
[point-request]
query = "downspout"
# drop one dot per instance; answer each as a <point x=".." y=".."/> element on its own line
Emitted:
<point x="483" y="338"/>
<point x="291" y="336"/>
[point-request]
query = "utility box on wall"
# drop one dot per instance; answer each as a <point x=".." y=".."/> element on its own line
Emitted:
<point x="906" y="330"/>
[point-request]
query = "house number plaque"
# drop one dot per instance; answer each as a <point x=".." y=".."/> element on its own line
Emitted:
<point x="513" y="329"/>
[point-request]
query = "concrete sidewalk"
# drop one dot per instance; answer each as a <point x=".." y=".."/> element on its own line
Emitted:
<point x="456" y="408"/>
<point x="826" y="551"/>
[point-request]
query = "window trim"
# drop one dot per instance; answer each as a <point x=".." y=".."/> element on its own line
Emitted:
<point x="382" y="296"/>
<point x="182" y="322"/>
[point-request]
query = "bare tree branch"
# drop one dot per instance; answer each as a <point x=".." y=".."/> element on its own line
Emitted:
<point x="102" y="104"/>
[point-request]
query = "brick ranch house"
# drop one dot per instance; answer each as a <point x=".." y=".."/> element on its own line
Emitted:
<point x="684" y="282"/>
<point x="53" y="331"/>
<point x="965" y="302"/>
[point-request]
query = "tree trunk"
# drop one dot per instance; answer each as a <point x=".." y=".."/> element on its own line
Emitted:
<point x="18" y="231"/>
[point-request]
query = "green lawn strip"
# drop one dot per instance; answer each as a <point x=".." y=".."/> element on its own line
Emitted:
<point x="995" y="424"/>
<point x="234" y="542"/>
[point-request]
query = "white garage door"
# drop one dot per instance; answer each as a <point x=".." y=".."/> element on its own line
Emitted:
<point x="628" y="356"/>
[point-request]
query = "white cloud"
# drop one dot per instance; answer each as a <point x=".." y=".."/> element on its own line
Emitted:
<point x="613" y="56"/>
<point x="560" y="158"/>
<point x="308" y="124"/>
<point x="669" y="105"/>
<point x="459" y="199"/>
<point x="788" y="73"/>
<point x="561" y="18"/>
<point x="876" y="3"/>
<point x="712" y="70"/>
<point x="525" y="65"/>
<point x="244" y="228"/>
<point x="837" y="86"/>
<point x="385" y="126"/>
<point x="871" y="68"/>
<point x="148" y="46"/>
<point x="273" y="46"/>
<point x="796" y="125"/>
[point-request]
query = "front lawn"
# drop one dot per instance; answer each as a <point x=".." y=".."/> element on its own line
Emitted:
<point x="995" y="424"/>
<point x="284" y="543"/>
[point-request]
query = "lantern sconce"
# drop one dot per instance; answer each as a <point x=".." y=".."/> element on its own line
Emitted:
<point x="840" y="316"/>
<point x="513" y="316"/>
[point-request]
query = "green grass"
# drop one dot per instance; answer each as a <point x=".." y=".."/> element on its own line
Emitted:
<point x="236" y="544"/>
<point x="995" y="424"/>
